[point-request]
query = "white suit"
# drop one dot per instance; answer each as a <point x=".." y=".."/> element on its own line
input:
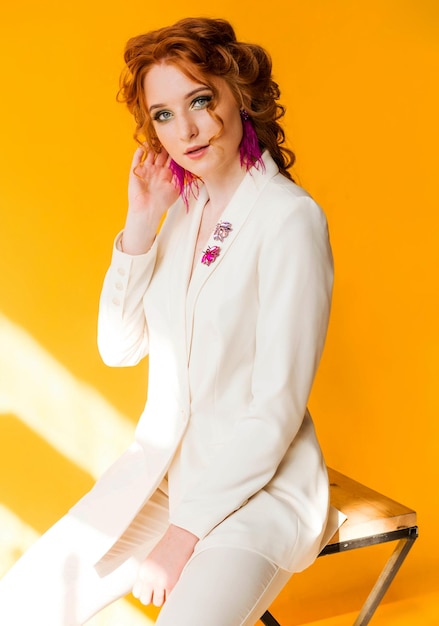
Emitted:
<point x="233" y="353"/>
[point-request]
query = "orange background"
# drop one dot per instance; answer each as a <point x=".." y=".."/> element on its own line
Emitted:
<point x="360" y="83"/>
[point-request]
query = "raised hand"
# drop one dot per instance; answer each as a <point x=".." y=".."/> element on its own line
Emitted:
<point x="150" y="185"/>
<point x="151" y="191"/>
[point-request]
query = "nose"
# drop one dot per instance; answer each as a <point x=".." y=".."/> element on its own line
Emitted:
<point x="187" y="128"/>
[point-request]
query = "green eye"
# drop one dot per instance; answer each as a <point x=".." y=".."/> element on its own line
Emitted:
<point x="201" y="102"/>
<point x="162" y="116"/>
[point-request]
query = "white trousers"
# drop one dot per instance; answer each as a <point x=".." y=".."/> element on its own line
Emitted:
<point x="55" y="582"/>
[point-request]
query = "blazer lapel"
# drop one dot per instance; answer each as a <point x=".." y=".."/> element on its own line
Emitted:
<point x="183" y="254"/>
<point x="236" y="213"/>
<point x="181" y="266"/>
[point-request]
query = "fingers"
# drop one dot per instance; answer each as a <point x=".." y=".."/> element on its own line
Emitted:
<point x="143" y="593"/>
<point x="147" y="157"/>
<point x="163" y="159"/>
<point x="158" y="597"/>
<point x="150" y="586"/>
<point x="146" y="594"/>
<point x="137" y="157"/>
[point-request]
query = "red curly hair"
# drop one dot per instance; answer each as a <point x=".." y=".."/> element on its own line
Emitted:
<point x="203" y="48"/>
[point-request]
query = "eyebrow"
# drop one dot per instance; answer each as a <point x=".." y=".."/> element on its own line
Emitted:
<point x="188" y="95"/>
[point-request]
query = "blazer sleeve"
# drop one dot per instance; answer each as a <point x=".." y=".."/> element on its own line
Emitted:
<point x="122" y="327"/>
<point x="295" y="287"/>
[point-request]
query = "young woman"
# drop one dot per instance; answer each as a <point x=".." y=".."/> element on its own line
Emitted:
<point x="224" y="492"/>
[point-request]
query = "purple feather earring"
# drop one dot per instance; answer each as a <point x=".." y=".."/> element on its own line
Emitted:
<point x="249" y="150"/>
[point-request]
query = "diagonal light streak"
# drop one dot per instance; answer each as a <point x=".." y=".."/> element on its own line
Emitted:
<point x="69" y="414"/>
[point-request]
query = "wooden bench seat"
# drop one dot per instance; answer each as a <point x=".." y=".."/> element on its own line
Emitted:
<point x="372" y="518"/>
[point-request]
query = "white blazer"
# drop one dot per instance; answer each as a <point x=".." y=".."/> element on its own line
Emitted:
<point x="233" y="352"/>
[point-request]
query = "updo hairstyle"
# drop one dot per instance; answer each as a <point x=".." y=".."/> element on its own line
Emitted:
<point x="203" y="48"/>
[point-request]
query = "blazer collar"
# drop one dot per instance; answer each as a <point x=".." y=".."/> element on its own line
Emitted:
<point x="236" y="212"/>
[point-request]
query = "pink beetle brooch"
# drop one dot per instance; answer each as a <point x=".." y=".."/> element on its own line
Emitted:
<point x="210" y="255"/>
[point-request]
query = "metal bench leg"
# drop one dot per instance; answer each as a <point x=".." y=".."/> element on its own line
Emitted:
<point x="387" y="575"/>
<point x="269" y="620"/>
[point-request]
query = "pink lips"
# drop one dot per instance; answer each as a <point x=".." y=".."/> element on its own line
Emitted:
<point x="196" y="151"/>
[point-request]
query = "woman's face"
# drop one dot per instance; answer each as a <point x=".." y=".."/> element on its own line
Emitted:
<point x="178" y="107"/>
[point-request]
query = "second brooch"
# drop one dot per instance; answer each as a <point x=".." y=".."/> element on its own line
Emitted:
<point x="222" y="230"/>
